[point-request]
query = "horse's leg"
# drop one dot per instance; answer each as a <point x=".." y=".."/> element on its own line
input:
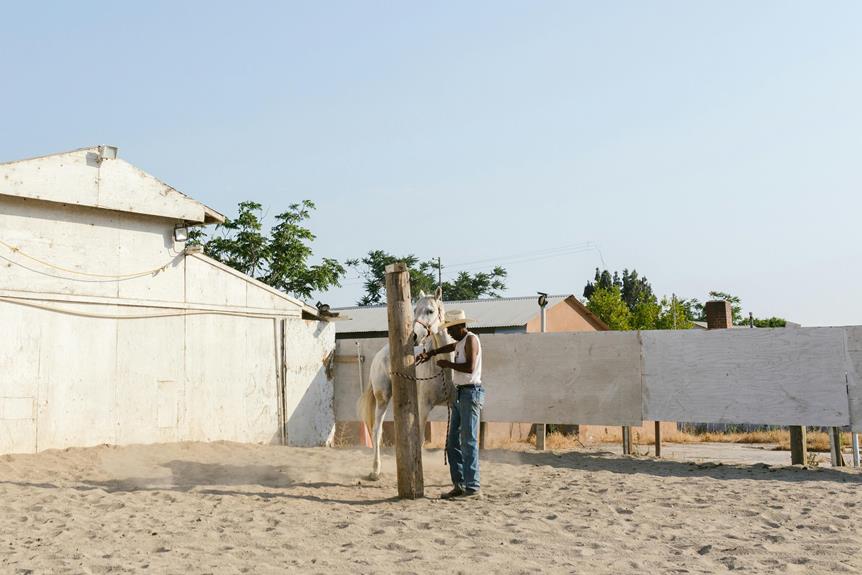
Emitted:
<point x="377" y="436"/>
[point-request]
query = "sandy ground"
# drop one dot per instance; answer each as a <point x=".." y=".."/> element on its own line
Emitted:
<point x="735" y="453"/>
<point x="231" y="508"/>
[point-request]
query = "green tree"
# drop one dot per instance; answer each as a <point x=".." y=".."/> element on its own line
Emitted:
<point x="608" y="291"/>
<point x="466" y="286"/>
<point x="636" y="290"/>
<point x="645" y="314"/>
<point x="770" y="322"/>
<point x="423" y="277"/>
<point x="279" y="259"/>
<point x="608" y="304"/>
<point x="602" y="280"/>
<point x="673" y="314"/>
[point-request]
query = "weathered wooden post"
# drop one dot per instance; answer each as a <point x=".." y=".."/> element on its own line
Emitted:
<point x="854" y="439"/>
<point x="798" y="445"/>
<point x="835" y="446"/>
<point x="658" y="438"/>
<point x="627" y="440"/>
<point x="405" y="404"/>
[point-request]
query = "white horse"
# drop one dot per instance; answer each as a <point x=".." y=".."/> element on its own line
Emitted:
<point x="434" y="384"/>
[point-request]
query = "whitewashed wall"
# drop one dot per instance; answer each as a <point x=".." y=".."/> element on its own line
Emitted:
<point x="206" y="374"/>
<point x="805" y="376"/>
<point x="92" y="241"/>
<point x="72" y="381"/>
<point x="309" y="383"/>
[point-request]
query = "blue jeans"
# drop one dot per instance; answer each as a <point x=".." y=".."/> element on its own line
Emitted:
<point x="463" y="441"/>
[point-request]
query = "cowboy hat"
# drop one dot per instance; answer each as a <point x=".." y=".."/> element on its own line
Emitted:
<point x="454" y="317"/>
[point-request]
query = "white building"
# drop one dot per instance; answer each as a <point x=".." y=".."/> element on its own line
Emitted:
<point x="114" y="332"/>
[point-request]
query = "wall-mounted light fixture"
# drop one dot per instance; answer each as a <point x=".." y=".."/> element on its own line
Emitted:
<point x="181" y="233"/>
<point x="107" y="153"/>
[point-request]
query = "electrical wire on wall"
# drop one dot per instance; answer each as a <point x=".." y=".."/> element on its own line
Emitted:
<point x="91" y="277"/>
<point x="176" y="313"/>
<point x="102" y="278"/>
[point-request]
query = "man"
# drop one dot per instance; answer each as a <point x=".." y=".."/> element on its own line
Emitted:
<point x="462" y="443"/>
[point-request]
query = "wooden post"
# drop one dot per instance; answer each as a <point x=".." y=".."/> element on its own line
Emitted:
<point x="483" y="435"/>
<point x="405" y="404"/>
<point x="658" y="438"/>
<point x="854" y="438"/>
<point x="627" y="440"/>
<point x="541" y="433"/>
<point x="798" y="445"/>
<point x="835" y="446"/>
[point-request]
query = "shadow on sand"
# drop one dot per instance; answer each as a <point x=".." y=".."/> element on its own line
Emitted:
<point x="216" y="479"/>
<point x="606" y="461"/>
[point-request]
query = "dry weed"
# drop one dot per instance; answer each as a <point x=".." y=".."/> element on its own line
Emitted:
<point x="818" y="441"/>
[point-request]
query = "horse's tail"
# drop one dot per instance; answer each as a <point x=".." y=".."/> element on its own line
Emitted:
<point x="366" y="407"/>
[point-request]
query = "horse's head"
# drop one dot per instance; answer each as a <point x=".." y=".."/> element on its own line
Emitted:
<point x="427" y="316"/>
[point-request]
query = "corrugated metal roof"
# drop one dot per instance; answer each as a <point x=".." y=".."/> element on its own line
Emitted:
<point x="496" y="312"/>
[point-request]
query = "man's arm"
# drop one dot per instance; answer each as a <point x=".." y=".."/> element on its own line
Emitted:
<point x="471" y="351"/>
<point x="426" y="355"/>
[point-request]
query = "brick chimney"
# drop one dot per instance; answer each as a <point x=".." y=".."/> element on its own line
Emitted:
<point x="719" y="315"/>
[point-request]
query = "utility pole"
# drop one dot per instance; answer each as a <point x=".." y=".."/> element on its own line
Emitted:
<point x="439" y="272"/>
<point x="673" y="308"/>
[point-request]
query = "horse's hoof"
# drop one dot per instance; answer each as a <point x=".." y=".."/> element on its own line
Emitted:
<point x="373" y="477"/>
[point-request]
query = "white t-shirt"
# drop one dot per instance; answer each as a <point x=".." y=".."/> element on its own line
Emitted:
<point x="475" y="378"/>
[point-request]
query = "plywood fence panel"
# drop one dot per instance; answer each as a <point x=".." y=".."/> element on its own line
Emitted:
<point x="768" y="376"/>
<point x="587" y="378"/>
<point x="854" y="375"/>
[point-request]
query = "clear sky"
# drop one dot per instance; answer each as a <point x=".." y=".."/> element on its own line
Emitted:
<point x="709" y="145"/>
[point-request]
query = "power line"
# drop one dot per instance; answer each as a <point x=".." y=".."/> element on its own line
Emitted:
<point x="583" y="245"/>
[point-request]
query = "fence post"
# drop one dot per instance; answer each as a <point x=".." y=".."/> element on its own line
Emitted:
<point x="627" y="440"/>
<point x="541" y="433"/>
<point x="855" y="441"/>
<point x="658" y="438"/>
<point x="835" y="446"/>
<point x="405" y="404"/>
<point x="798" y="445"/>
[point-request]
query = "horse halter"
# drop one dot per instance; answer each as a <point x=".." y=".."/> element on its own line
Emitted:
<point x="428" y="331"/>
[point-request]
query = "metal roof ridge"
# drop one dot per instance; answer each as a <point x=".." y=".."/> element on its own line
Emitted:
<point x="481" y="300"/>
